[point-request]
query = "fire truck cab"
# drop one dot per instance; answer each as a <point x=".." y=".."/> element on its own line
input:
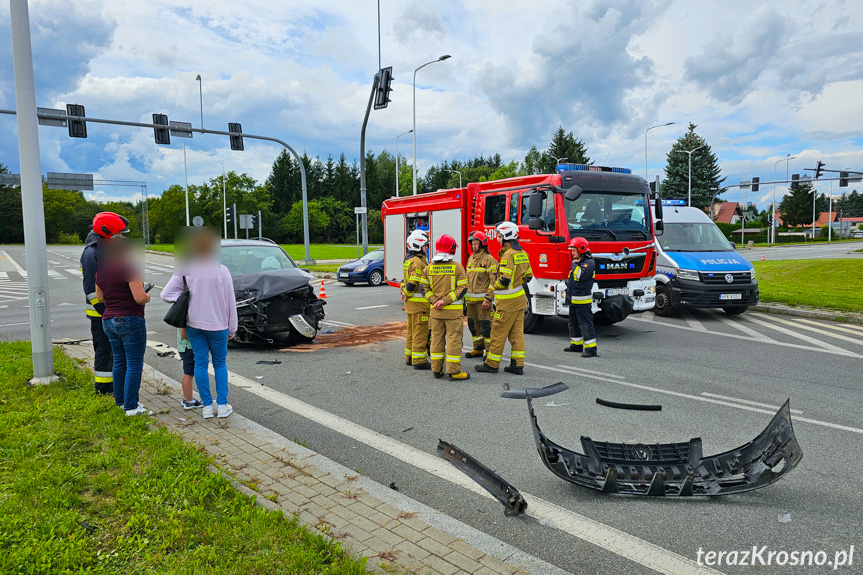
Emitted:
<point x="609" y="207"/>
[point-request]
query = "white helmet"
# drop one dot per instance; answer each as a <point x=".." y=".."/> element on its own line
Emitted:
<point x="508" y="230"/>
<point x="417" y="240"/>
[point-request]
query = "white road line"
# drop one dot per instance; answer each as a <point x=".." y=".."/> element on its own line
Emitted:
<point x="4" y="307"/>
<point x="23" y="273"/>
<point x="746" y="401"/>
<point x="65" y="303"/>
<point x="847" y="328"/>
<point x="371" y="306"/>
<point x="339" y="323"/>
<point x="4" y="276"/>
<point x="691" y="321"/>
<point x="18" y="268"/>
<point x="74" y="272"/>
<point x="857" y="340"/>
<point x="590" y="371"/>
<point x="739" y="326"/>
<point x="54" y="274"/>
<point x="836" y="350"/>
<point x="814" y="341"/>
<point x="11" y="324"/>
<point x="647" y="316"/>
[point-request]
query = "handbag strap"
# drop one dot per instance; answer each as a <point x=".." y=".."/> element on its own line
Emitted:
<point x="185" y="286"/>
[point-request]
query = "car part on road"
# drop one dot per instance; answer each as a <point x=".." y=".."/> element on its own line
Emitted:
<point x="276" y="305"/>
<point x="633" y="406"/>
<point x="268" y="362"/>
<point x="674" y="469"/>
<point x="513" y="501"/>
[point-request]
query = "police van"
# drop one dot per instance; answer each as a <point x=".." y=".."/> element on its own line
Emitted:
<point x="697" y="266"/>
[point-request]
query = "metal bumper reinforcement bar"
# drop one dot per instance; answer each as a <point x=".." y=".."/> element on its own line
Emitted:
<point x="513" y="502"/>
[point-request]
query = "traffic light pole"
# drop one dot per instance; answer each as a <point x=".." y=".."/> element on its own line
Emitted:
<point x="363" y="165"/>
<point x="235" y="221"/>
<point x="31" y="195"/>
<point x="307" y="261"/>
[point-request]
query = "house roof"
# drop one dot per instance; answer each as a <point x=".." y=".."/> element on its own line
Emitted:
<point x="727" y="210"/>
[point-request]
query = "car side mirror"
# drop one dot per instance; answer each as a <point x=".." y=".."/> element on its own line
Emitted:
<point x="535" y="224"/>
<point x="573" y="193"/>
<point x="659" y="227"/>
<point x="534" y="205"/>
<point x="733" y="245"/>
<point x="658" y="209"/>
<point x="305" y="270"/>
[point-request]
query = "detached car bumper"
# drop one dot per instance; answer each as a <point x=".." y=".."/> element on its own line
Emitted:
<point x="697" y="294"/>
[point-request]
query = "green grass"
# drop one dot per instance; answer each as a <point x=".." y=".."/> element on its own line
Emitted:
<point x="168" y="248"/>
<point x="324" y="251"/>
<point x="84" y="489"/>
<point x="332" y="268"/>
<point x="826" y="283"/>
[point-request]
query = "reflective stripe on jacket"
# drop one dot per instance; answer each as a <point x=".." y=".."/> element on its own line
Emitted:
<point x="481" y="268"/>
<point x="447" y="281"/>
<point x="579" y="285"/>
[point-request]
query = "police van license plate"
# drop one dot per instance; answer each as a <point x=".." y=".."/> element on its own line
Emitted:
<point x="616" y="291"/>
<point x="731" y="296"/>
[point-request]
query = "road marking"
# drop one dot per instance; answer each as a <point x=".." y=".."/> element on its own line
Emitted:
<point x="857" y="340"/>
<point x="835" y="350"/>
<point x="848" y="328"/>
<point x="371" y="306"/>
<point x="691" y="321"/>
<point x="4" y="276"/>
<point x="814" y="341"/>
<point x="4" y="307"/>
<point x="588" y="371"/>
<point x="54" y="274"/>
<point x="23" y="273"/>
<point x="647" y="316"/>
<point x="65" y="303"/>
<point x="11" y="324"/>
<point x="17" y="267"/>
<point x="755" y="403"/>
<point x="74" y="272"/>
<point x="739" y="326"/>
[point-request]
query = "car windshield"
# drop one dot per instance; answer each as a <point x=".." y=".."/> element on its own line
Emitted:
<point x="607" y="215"/>
<point x="373" y="256"/>
<point x="255" y="259"/>
<point x="692" y="237"/>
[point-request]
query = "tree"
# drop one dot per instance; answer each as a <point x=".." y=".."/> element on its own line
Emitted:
<point x="706" y="173"/>
<point x="796" y="207"/>
<point x="293" y="222"/>
<point x="532" y="162"/>
<point x="563" y="145"/>
<point x="11" y="216"/>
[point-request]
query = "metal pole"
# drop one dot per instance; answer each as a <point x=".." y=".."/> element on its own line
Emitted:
<point x="363" y="164"/>
<point x="830" y="216"/>
<point x="224" y="202"/>
<point x="557" y="162"/>
<point x="186" y="171"/>
<point x="357" y="218"/>
<point x="260" y="225"/>
<point x="31" y="195"/>
<point x="442" y="58"/>
<point x="397" y="159"/>
<point x="235" y="221"/>
<point x="689" y="196"/>
<point x="379" y="34"/>
<point x="459" y="176"/>
<point x="645" y="144"/>
<point x="201" y="93"/>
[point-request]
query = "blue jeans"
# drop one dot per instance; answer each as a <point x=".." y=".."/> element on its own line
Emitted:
<point x="128" y="337"/>
<point x="206" y="343"/>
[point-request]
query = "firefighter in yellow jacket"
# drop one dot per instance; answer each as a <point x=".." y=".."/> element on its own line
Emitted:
<point x="481" y="267"/>
<point x="416" y="306"/>
<point x="446" y="283"/>
<point x="510" y="302"/>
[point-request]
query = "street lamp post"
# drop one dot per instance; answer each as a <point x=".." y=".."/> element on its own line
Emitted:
<point x="459" y="176"/>
<point x="397" y="158"/>
<point x="645" y="143"/>
<point x="441" y="59"/>
<point x="557" y="162"/>
<point x="186" y="173"/>
<point x="224" y="201"/>
<point x="786" y="159"/>
<point x="201" y="94"/>
<point x="689" y="200"/>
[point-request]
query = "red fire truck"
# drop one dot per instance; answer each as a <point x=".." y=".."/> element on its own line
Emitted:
<point x="609" y="207"/>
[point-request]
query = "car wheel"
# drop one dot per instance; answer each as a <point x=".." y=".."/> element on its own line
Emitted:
<point x="376" y="278"/>
<point x="735" y="310"/>
<point x="662" y="306"/>
<point x="532" y="322"/>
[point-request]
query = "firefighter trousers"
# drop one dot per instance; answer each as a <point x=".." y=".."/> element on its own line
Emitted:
<point x="479" y="324"/>
<point x="103" y="362"/>
<point x="446" y="341"/>
<point x="506" y="325"/>
<point x="416" y="338"/>
<point x="581" y="330"/>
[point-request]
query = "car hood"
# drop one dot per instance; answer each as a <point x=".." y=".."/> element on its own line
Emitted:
<point x="355" y="264"/>
<point x="270" y="283"/>
<point x="710" y="261"/>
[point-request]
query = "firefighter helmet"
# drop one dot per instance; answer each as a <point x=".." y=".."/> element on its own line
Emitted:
<point x="106" y="224"/>
<point x="508" y="230"/>
<point x="483" y="239"/>
<point x="445" y="244"/>
<point x="580" y="245"/>
<point x="417" y="240"/>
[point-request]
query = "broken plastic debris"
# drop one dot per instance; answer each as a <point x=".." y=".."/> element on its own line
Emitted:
<point x="553" y="404"/>
<point x="259" y="377"/>
<point x="268" y="362"/>
<point x="785" y="518"/>
<point x="347" y="373"/>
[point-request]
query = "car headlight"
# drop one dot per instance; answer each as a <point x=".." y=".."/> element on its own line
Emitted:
<point x="752" y="274"/>
<point x="691" y="275"/>
<point x="360" y="269"/>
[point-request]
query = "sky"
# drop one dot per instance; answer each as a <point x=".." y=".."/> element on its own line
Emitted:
<point x="760" y="79"/>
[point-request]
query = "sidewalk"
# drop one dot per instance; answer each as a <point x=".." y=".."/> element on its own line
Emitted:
<point x="394" y="531"/>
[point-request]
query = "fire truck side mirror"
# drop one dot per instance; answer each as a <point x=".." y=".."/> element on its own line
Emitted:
<point x="659" y="226"/>
<point x="573" y="193"/>
<point x="535" y="224"/>
<point x="534" y="205"/>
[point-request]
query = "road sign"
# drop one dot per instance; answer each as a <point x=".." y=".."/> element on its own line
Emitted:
<point x="247" y="222"/>
<point x="359" y="211"/>
<point x="198" y="221"/>
<point x="181" y="129"/>
<point x="78" y="182"/>
<point x="10" y="179"/>
<point x="60" y="123"/>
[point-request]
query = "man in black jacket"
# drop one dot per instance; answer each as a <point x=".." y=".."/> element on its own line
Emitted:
<point x="579" y="288"/>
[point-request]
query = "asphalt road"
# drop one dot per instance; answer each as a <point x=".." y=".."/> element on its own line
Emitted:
<point x="804" y="252"/>
<point x="719" y="377"/>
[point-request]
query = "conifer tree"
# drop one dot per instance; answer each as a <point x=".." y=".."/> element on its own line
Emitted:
<point x="706" y="180"/>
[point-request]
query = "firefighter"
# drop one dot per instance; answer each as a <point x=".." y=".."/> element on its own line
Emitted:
<point x="510" y="302"/>
<point x="579" y="288"/>
<point x="446" y="283"/>
<point x="105" y="225"/>
<point x="416" y="306"/>
<point x="481" y="267"/>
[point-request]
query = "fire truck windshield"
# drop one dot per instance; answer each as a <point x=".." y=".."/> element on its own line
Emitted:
<point x="604" y="215"/>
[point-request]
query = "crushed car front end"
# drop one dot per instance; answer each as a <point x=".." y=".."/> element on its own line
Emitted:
<point x="277" y="307"/>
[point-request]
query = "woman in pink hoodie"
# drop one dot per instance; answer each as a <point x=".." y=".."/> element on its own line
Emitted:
<point x="212" y="318"/>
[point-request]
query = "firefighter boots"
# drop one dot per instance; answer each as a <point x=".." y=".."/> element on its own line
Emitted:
<point x="426" y="365"/>
<point x="474" y="353"/>
<point x="575" y="348"/>
<point x="459" y="376"/>
<point x="437" y="374"/>
<point x="514" y="369"/>
<point x="485" y="368"/>
<point x="589" y="352"/>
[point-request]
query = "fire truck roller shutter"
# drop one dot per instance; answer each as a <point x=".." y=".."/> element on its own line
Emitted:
<point x="394" y="247"/>
<point x="448" y="222"/>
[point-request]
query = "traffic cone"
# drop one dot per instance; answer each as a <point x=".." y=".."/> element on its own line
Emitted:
<point x="323" y="294"/>
<point x="762" y="257"/>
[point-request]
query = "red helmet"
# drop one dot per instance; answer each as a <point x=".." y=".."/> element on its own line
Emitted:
<point x="445" y="245"/>
<point x="483" y="239"/>
<point x="579" y="244"/>
<point x="106" y="224"/>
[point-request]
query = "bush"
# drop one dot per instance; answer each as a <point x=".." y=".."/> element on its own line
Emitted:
<point x="64" y="238"/>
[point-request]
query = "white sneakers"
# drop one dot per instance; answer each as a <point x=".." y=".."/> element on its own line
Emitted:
<point x="222" y="410"/>
<point x="140" y="410"/>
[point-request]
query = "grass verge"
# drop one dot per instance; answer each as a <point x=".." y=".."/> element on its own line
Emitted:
<point x="332" y="268"/>
<point x="324" y="251"/>
<point x="167" y="248"/>
<point x="826" y="283"/>
<point x="84" y="489"/>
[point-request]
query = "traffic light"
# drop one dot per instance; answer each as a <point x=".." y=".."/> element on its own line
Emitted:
<point x="253" y="221"/>
<point x="819" y="169"/>
<point x="229" y="213"/>
<point x="755" y="184"/>
<point x="236" y="141"/>
<point x="77" y="128"/>
<point x="843" y="179"/>
<point x="382" y="96"/>
<point x="795" y="181"/>
<point x="163" y="135"/>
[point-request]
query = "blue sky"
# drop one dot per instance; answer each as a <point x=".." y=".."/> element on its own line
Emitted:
<point x="760" y="80"/>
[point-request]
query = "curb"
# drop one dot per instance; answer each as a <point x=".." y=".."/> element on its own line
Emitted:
<point x="845" y="317"/>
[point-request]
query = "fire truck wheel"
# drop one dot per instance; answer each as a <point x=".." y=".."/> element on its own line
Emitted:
<point x="531" y="320"/>
<point x="663" y="302"/>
